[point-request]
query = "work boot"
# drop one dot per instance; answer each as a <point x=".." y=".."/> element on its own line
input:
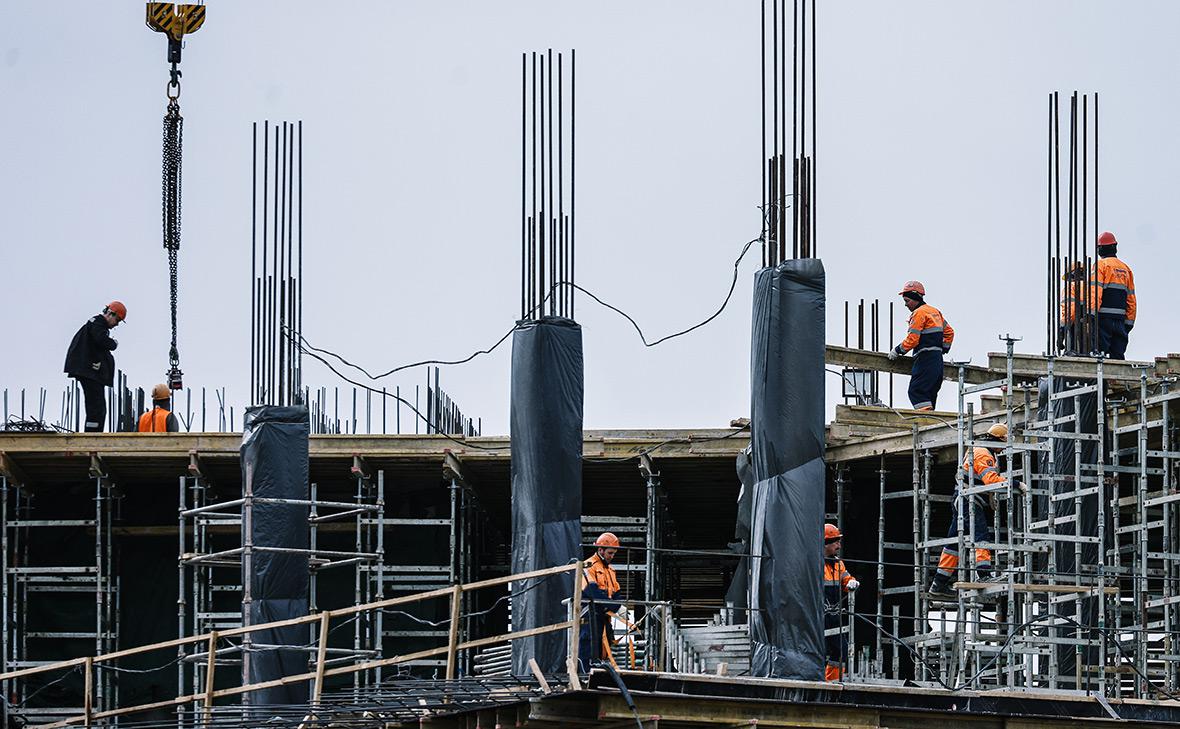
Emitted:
<point x="940" y="589"/>
<point x="987" y="574"/>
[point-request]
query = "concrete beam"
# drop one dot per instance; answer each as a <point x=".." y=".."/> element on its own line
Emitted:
<point x="453" y="468"/>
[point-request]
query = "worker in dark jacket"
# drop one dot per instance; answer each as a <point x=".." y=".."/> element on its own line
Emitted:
<point x="929" y="338"/>
<point x="160" y="419"/>
<point x="89" y="361"/>
<point x="598" y="601"/>
<point x="838" y="581"/>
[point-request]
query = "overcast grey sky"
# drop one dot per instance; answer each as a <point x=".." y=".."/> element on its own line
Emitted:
<point x="931" y="166"/>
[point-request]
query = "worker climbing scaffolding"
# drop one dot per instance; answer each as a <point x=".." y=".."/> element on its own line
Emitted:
<point x="175" y="21"/>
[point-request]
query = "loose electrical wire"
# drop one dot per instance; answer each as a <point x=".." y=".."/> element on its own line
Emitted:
<point x="319" y="352"/>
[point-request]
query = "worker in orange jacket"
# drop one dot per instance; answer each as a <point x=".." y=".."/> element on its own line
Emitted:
<point x="929" y="338"/>
<point x="160" y="419"/>
<point x="837" y="582"/>
<point x="979" y="469"/>
<point x="1115" y="298"/>
<point x="1076" y="335"/>
<point x="599" y="600"/>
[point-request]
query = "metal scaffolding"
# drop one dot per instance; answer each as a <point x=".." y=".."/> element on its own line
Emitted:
<point x="209" y="568"/>
<point x="1086" y="556"/>
<point x="41" y="577"/>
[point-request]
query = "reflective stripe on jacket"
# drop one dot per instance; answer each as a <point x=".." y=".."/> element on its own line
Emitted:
<point x="928" y="331"/>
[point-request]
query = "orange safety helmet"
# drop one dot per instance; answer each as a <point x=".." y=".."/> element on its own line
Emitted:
<point x="1107" y="239"/>
<point x="831" y="533"/>
<point x="161" y="392"/>
<point x="606" y="539"/>
<point x="117" y="308"/>
<point x="912" y="287"/>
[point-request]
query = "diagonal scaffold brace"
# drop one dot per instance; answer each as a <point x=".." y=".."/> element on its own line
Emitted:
<point x="175" y="21"/>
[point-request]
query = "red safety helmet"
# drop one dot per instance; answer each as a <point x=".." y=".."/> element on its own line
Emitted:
<point x="1107" y="239"/>
<point x="606" y="539"/>
<point x="831" y="533"/>
<point x="912" y="287"/>
<point x="117" y="308"/>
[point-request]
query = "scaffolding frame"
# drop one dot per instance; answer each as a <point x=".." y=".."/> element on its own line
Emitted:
<point x="1113" y="615"/>
<point x="24" y="576"/>
<point x="202" y="570"/>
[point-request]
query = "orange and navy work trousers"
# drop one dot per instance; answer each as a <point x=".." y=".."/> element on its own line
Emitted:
<point x="949" y="560"/>
<point x="926" y="379"/>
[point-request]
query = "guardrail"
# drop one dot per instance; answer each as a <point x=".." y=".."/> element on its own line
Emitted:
<point x="321" y="671"/>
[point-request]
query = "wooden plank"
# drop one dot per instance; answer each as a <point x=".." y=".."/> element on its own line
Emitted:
<point x="880" y="362"/>
<point x="1057" y="589"/>
<point x="10" y="470"/>
<point x="1035" y="365"/>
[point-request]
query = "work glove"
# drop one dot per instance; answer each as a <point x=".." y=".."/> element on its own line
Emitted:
<point x="1023" y="487"/>
<point x="1130" y="327"/>
<point x="946" y="349"/>
<point x="621" y="613"/>
<point x="893" y="355"/>
<point x="853" y="584"/>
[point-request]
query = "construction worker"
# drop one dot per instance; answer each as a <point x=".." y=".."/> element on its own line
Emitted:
<point x="601" y="586"/>
<point x="929" y="338"/>
<point x="837" y="582"/>
<point x="979" y="469"/>
<point x="90" y="362"/>
<point x="1076" y="335"/>
<point x="1115" y="298"/>
<point x="160" y="419"/>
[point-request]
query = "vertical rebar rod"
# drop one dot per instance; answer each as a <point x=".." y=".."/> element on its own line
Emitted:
<point x="253" y="250"/>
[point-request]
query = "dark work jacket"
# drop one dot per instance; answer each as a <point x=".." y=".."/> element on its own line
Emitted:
<point x="89" y="356"/>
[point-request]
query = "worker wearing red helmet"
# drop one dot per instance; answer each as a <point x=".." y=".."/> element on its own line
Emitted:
<point x="1114" y="298"/>
<point x="929" y="338"/>
<point x="837" y="582"/>
<point x="598" y="596"/>
<point x="160" y="419"/>
<point x="90" y="362"/>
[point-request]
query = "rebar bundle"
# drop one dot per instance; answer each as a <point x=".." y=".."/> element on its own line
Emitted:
<point x="547" y="158"/>
<point x="788" y="184"/>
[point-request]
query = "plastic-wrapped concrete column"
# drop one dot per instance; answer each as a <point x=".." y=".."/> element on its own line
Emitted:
<point x="546" y="427"/>
<point x="274" y="466"/>
<point x="787" y="461"/>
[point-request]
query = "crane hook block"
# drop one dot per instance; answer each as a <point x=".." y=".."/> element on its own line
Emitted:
<point x="175" y="21"/>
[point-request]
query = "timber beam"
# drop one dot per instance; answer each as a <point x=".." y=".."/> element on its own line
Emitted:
<point x="863" y="359"/>
<point x="1035" y="365"/>
<point x="13" y="472"/>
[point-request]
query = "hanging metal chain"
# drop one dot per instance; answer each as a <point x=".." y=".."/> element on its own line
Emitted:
<point x="173" y="133"/>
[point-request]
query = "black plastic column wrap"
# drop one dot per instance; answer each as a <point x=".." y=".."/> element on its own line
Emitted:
<point x="787" y="462"/>
<point x="274" y="466"/>
<point x="546" y="429"/>
<point x="1063" y="467"/>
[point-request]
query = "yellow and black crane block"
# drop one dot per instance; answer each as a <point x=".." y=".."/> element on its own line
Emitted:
<point x="176" y="21"/>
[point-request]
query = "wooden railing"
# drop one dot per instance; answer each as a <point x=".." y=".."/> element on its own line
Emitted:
<point x="206" y="698"/>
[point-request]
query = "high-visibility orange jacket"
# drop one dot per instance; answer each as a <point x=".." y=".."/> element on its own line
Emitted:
<point x="928" y="330"/>
<point x="836" y="579"/>
<point x="982" y="463"/>
<point x="601" y="575"/>
<point x="1116" y="289"/>
<point x="1076" y="300"/>
<point x="158" y="420"/>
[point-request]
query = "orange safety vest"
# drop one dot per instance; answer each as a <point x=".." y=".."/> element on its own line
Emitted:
<point x="836" y="579"/>
<point x="154" y="421"/>
<point x="602" y="575"/>
<point x="1116" y="289"/>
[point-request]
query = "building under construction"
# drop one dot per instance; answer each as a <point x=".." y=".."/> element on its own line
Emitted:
<point x="368" y="557"/>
